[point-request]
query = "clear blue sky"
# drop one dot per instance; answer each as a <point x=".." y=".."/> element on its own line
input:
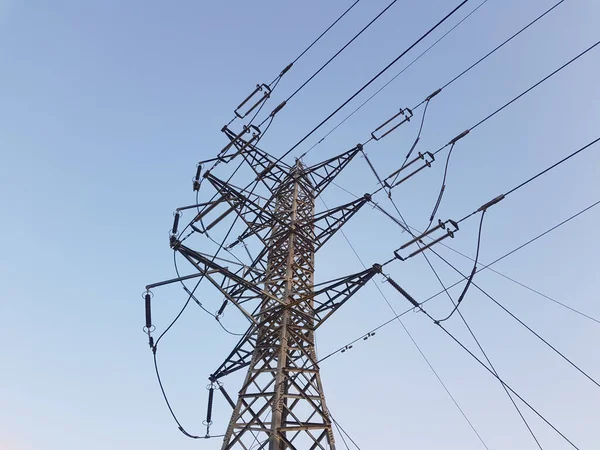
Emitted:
<point x="106" y="106"/>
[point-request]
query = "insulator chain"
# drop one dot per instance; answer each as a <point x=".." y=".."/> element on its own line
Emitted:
<point x="404" y="115"/>
<point x="149" y="328"/>
<point x="208" y="422"/>
<point x="449" y="227"/>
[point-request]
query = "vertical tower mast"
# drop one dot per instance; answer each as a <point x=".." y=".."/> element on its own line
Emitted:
<point x="281" y="404"/>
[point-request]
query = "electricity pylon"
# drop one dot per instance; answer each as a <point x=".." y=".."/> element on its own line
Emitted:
<point x="281" y="404"/>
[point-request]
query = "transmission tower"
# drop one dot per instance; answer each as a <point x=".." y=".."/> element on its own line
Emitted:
<point x="281" y="404"/>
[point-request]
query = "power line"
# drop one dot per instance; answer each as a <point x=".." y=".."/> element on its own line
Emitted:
<point x="396" y="76"/>
<point x="487" y="266"/>
<point x="341" y="50"/>
<point x="273" y="84"/>
<point x="585" y="147"/>
<point x="491" y="52"/>
<point x="517" y="282"/>
<point x="457" y="77"/>
<point x="433" y="370"/>
<point x="471" y="275"/>
<point x="503" y="383"/>
<point x="536" y="85"/>
<point x="529" y="180"/>
<point x="458" y="302"/>
<point x="381" y="72"/>
<point x="325" y="32"/>
<point x="337" y="424"/>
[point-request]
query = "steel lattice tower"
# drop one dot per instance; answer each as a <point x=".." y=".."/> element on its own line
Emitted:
<point x="283" y="380"/>
<point x="281" y="404"/>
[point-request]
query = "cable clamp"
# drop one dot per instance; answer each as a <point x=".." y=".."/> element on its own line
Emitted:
<point x="459" y="137"/>
<point x="491" y="203"/>
<point x="433" y="94"/>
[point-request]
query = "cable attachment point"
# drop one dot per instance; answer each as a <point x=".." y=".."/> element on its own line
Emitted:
<point x="196" y="184"/>
<point x="433" y="94"/>
<point x="277" y="109"/>
<point x="459" y="137"/>
<point x="368" y="335"/>
<point x="427" y="159"/>
<point x="491" y="203"/>
<point x="450" y="227"/>
<point x="262" y="92"/>
<point x="285" y="70"/>
<point x="406" y="114"/>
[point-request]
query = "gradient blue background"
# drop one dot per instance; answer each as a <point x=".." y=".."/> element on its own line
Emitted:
<point x="105" y="107"/>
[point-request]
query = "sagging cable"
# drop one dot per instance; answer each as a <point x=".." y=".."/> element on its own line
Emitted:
<point x="404" y="114"/>
<point x="450" y="227"/>
<point x="442" y="188"/>
<point x="418" y="138"/>
<point x="452" y="143"/>
<point x="471" y="275"/>
<point x="427" y="159"/>
<point x="259" y="95"/>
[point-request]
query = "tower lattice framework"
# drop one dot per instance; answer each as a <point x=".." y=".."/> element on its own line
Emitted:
<point x="281" y="404"/>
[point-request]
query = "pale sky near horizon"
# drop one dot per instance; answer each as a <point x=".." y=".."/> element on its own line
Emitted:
<point x="105" y="108"/>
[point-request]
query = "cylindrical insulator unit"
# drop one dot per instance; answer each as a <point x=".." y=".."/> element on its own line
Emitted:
<point x="211" y="393"/>
<point x="148" y="312"/>
<point x="227" y="397"/>
<point x="406" y="295"/>
<point x="175" y="223"/>
<point x="198" y="170"/>
<point x="222" y="308"/>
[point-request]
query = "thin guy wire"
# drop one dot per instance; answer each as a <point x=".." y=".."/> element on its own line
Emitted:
<point x="513" y="316"/>
<point x="502" y="381"/>
<point x="517" y="282"/>
<point x="488" y="266"/>
<point x="344" y="431"/>
<point x="414" y="341"/>
<point x="473" y="272"/>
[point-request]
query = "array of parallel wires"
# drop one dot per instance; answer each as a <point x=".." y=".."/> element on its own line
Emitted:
<point x="399" y="220"/>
